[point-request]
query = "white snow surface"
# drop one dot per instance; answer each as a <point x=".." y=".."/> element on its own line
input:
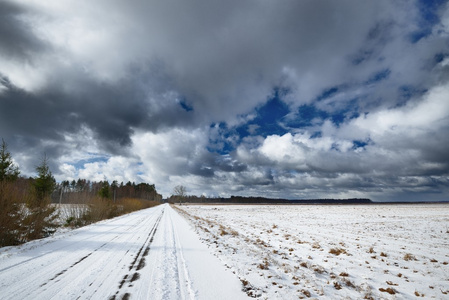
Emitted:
<point x="330" y="251"/>
<point x="149" y="254"/>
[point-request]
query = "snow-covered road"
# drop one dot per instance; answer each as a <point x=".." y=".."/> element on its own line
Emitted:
<point x="150" y="254"/>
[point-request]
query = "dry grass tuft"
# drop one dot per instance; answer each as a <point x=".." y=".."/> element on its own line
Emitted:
<point x="337" y="251"/>
<point x="306" y="293"/>
<point x="223" y="231"/>
<point x="409" y="257"/>
<point x="388" y="290"/>
<point x="264" y="265"/>
<point x="319" y="269"/>
<point x="316" y="245"/>
<point x="417" y="294"/>
<point x="348" y="283"/>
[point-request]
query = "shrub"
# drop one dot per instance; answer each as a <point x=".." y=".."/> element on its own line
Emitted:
<point x="24" y="215"/>
<point x="133" y="204"/>
<point x="11" y="214"/>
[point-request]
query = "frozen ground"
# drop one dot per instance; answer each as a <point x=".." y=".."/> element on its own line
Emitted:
<point x="331" y="252"/>
<point x="149" y="254"/>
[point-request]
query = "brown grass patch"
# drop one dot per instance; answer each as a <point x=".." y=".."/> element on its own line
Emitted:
<point x="388" y="290"/>
<point x="264" y="265"/>
<point x="348" y="283"/>
<point x="316" y="245"/>
<point x="337" y="251"/>
<point x="337" y="285"/>
<point x="409" y="257"/>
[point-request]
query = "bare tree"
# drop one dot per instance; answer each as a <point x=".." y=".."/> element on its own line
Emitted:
<point x="180" y="192"/>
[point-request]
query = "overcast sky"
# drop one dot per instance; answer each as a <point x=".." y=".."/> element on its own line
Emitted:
<point x="292" y="99"/>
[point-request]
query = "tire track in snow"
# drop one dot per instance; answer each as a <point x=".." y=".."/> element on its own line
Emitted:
<point x="168" y="278"/>
<point x="100" y="284"/>
<point x="77" y="262"/>
<point x="76" y="232"/>
<point x="91" y="260"/>
<point x="183" y="276"/>
<point x="138" y="262"/>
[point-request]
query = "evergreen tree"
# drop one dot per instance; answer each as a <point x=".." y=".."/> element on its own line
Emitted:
<point x="41" y="220"/>
<point x="44" y="183"/>
<point x="104" y="191"/>
<point x="11" y="214"/>
<point x="8" y="171"/>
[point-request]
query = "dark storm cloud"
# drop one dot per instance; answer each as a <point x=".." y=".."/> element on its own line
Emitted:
<point x="110" y="111"/>
<point x="16" y="37"/>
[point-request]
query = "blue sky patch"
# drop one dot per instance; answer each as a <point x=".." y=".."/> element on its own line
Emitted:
<point x="96" y="158"/>
<point x="428" y="18"/>
<point x="379" y="76"/>
<point x="184" y="105"/>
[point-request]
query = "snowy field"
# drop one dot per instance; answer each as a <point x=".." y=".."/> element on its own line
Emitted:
<point x="330" y="252"/>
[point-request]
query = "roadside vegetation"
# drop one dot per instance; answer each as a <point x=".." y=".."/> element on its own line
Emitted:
<point x="33" y="208"/>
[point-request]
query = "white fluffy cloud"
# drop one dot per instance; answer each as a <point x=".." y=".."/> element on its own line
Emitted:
<point x="397" y="144"/>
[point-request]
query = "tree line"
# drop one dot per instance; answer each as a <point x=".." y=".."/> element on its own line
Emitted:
<point x="28" y="208"/>
<point x="180" y="196"/>
<point x="114" y="191"/>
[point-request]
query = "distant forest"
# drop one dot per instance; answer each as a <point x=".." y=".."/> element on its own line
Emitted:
<point x="69" y="191"/>
<point x="262" y="200"/>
